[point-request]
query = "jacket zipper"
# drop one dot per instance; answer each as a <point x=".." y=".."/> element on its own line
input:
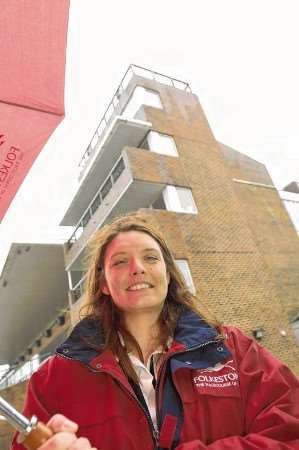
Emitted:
<point x="162" y="370"/>
<point x="154" y="432"/>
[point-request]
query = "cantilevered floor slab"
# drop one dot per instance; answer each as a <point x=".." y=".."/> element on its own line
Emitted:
<point x="122" y="132"/>
<point x="33" y="290"/>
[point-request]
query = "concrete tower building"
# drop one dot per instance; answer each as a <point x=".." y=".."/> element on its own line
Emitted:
<point x="218" y="209"/>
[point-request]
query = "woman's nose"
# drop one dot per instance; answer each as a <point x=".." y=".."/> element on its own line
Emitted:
<point x="136" y="267"/>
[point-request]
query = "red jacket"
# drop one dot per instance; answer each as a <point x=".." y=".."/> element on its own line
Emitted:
<point x="210" y="395"/>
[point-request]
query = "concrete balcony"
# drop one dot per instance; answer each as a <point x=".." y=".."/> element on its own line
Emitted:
<point x="126" y="101"/>
<point x="122" y="132"/>
<point x="123" y="124"/>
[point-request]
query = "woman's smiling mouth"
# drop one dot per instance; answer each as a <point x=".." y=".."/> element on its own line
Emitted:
<point x="139" y="286"/>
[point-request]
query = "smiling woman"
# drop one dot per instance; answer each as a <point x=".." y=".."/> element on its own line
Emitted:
<point x="134" y="264"/>
<point x="123" y="256"/>
<point x="146" y="368"/>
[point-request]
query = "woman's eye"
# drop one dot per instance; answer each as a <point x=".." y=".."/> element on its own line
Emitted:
<point x="152" y="258"/>
<point x="117" y="263"/>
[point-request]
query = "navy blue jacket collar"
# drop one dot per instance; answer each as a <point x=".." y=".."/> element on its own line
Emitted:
<point x="86" y="340"/>
<point x="193" y="331"/>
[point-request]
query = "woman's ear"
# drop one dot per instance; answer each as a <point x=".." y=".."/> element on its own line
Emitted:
<point x="104" y="287"/>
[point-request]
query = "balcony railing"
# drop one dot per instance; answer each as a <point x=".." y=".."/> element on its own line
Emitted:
<point x="77" y="290"/>
<point x="101" y="194"/>
<point x="114" y="103"/>
<point x="18" y="374"/>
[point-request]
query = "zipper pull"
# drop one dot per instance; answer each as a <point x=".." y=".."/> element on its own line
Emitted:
<point x="156" y="436"/>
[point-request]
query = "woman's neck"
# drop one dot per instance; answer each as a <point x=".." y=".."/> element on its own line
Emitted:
<point x="145" y="329"/>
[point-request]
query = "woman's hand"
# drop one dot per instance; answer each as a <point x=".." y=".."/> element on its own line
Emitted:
<point x="65" y="436"/>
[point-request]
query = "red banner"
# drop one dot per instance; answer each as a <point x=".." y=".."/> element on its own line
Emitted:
<point x="32" y="67"/>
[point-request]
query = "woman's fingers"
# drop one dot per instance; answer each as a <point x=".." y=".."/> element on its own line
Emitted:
<point x="66" y="441"/>
<point x="80" y="444"/>
<point x="65" y="435"/>
<point x="59" y="423"/>
<point x="60" y="441"/>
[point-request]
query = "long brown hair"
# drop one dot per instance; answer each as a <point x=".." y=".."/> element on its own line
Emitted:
<point x="98" y="305"/>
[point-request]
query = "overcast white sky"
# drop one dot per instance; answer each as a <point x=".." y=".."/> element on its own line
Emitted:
<point x="240" y="58"/>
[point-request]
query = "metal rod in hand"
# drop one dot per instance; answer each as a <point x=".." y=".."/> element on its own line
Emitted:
<point x="33" y="433"/>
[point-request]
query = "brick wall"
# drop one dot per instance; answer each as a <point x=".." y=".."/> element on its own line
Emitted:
<point x="241" y="242"/>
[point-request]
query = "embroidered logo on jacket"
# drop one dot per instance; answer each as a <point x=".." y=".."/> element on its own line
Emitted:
<point x="220" y="379"/>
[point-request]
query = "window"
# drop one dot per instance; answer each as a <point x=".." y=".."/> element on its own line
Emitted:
<point x="74" y="277"/>
<point x="96" y="203"/>
<point x="141" y="96"/>
<point x="295" y="326"/>
<point x="179" y="199"/>
<point x="161" y="143"/>
<point x="293" y="210"/>
<point x="77" y="233"/>
<point x="159" y="203"/>
<point x="106" y="188"/>
<point x="151" y="98"/>
<point x="185" y="271"/>
<point x="117" y="171"/>
<point x="86" y="218"/>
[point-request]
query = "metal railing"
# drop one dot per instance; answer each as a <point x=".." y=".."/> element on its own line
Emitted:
<point x="78" y="289"/>
<point x="17" y="374"/>
<point x="97" y="200"/>
<point x="22" y="368"/>
<point x="114" y="103"/>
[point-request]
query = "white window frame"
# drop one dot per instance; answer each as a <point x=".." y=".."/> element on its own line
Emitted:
<point x="293" y="211"/>
<point x="173" y="202"/>
<point x="163" y="144"/>
<point x="184" y="268"/>
<point x="139" y="97"/>
<point x="295" y="326"/>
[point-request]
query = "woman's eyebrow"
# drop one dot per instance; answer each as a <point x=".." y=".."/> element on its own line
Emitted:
<point x="117" y="254"/>
<point x="150" y="249"/>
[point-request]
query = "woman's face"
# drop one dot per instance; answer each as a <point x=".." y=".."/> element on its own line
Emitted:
<point x="135" y="273"/>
